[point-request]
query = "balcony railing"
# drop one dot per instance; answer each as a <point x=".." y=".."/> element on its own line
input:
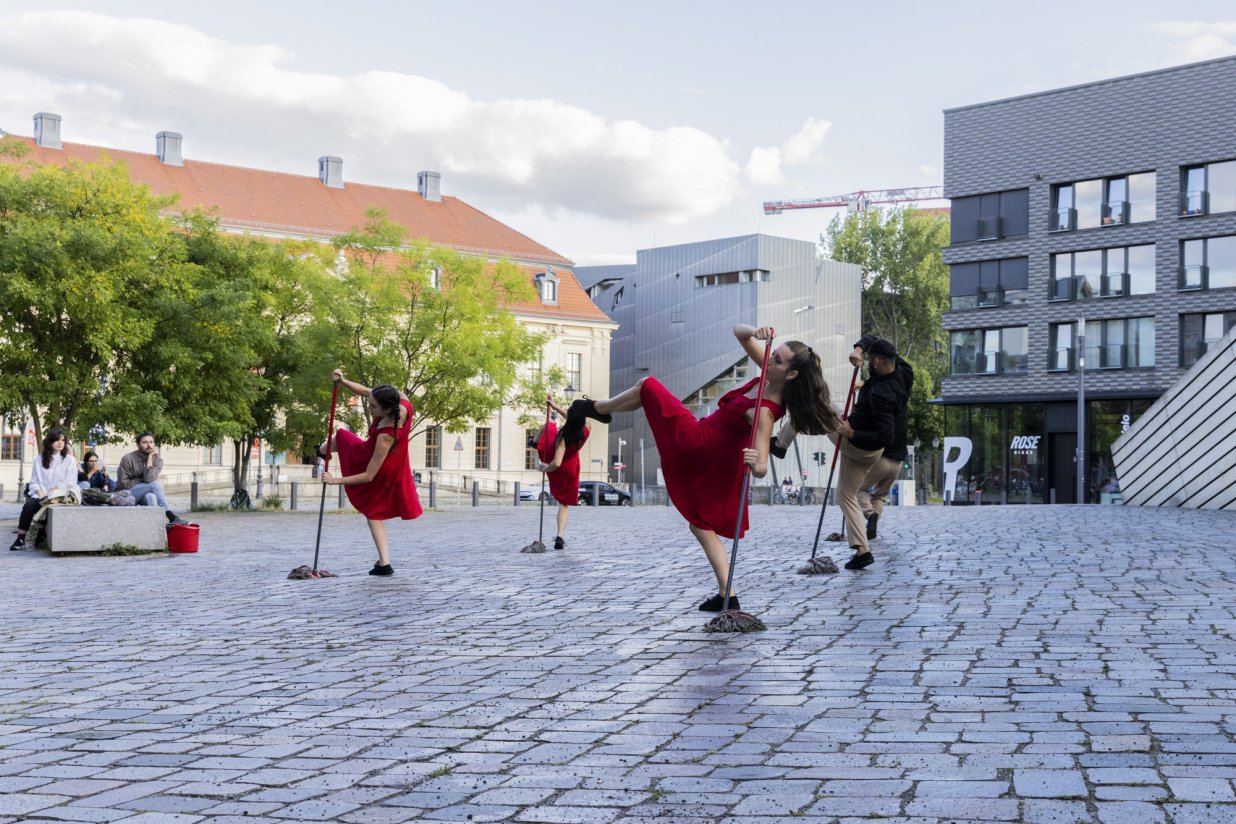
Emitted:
<point x="1115" y="213"/>
<point x="1110" y="356"/>
<point x="1194" y="277"/>
<point x="1191" y="353"/>
<point x="1064" y="289"/>
<point x="1061" y="360"/>
<point x="987" y="363"/>
<point x="989" y="297"/>
<point x="1195" y="203"/>
<point x="989" y="228"/>
<point x="1115" y="284"/>
<point x="1064" y="220"/>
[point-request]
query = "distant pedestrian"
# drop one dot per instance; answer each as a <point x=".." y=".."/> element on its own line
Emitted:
<point x="375" y="472"/>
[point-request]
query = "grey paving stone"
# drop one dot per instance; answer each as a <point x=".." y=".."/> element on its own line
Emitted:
<point x="1049" y="784"/>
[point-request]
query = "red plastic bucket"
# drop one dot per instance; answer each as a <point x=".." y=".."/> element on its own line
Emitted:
<point x="182" y="537"/>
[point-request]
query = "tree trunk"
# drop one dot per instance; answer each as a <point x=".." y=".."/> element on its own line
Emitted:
<point x="240" y="462"/>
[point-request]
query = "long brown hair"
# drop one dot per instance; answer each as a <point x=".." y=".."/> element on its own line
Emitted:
<point x="806" y="396"/>
<point x="54" y="434"/>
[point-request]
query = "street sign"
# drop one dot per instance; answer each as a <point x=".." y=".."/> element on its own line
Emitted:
<point x="620" y="466"/>
<point x="459" y="443"/>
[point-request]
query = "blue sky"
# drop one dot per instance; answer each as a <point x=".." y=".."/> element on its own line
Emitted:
<point x="597" y="129"/>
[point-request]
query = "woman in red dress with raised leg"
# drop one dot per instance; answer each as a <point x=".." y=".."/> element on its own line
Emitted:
<point x="558" y="450"/>
<point x="376" y="472"/>
<point x="703" y="460"/>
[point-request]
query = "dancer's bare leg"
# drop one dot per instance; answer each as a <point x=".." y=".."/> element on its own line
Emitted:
<point x="715" y="550"/>
<point x="625" y="401"/>
<point x="378" y="530"/>
<point x="563" y="512"/>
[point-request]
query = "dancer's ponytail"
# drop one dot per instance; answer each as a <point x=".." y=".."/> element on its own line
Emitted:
<point x="806" y="396"/>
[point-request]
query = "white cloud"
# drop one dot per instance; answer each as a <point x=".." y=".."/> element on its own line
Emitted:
<point x="1197" y="40"/>
<point x="800" y="149"/>
<point x="118" y="80"/>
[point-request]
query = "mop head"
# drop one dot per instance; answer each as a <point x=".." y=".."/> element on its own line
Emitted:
<point x="735" y="620"/>
<point x="822" y="565"/>
<point x="535" y="546"/>
<point x="835" y="536"/>
<point x="304" y="571"/>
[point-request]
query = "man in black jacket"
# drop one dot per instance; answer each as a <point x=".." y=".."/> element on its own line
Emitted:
<point x="885" y="472"/>
<point x="871" y="428"/>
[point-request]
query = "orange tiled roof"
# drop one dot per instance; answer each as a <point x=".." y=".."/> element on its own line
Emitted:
<point x="276" y="202"/>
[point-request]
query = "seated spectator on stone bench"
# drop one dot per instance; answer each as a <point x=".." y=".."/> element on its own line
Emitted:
<point x="53" y="474"/>
<point x="93" y="474"/>
<point x="139" y="474"/>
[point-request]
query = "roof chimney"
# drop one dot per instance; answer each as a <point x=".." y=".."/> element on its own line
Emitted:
<point x="429" y="184"/>
<point x="330" y="171"/>
<point x="167" y="147"/>
<point x="47" y="130"/>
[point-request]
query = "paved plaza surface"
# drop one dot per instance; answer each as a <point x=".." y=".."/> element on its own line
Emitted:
<point x="1038" y="664"/>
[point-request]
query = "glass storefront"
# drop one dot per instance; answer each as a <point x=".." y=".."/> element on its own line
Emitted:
<point x="1011" y="462"/>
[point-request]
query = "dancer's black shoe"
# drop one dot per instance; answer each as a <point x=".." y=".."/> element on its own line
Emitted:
<point x="559" y="543"/>
<point x="714" y="603"/>
<point x="588" y="408"/>
<point x="872" y="520"/>
<point x="20" y="543"/>
<point x="860" y="561"/>
<point x="382" y="569"/>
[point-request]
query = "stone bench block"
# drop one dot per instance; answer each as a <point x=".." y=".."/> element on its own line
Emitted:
<point x="90" y="528"/>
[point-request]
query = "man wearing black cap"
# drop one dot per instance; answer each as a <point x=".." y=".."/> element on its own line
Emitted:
<point x="871" y="428"/>
<point x="885" y="472"/>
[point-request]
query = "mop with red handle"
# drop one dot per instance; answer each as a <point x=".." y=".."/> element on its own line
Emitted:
<point x="539" y="544"/>
<point x="826" y="565"/>
<point x="735" y="620"/>
<point x="302" y="571"/>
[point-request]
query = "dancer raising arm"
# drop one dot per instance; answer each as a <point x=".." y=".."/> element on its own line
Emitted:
<point x="559" y="450"/>
<point x="376" y="472"/>
<point x="703" y="460"/>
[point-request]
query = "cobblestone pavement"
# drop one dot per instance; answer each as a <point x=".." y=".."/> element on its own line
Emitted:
<point x="1037" y="664"/>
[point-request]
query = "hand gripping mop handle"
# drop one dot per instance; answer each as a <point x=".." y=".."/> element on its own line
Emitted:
<point x="837" y="451"/>
<point x="746" y="475"/>
<point x="330" y="432"/>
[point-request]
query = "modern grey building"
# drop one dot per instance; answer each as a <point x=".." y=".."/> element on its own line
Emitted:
<point x="676" y="308"/>
<point x="1107" y="208"/>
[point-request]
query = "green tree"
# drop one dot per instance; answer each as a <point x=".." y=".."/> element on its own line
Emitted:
<point x="905" y="294"/>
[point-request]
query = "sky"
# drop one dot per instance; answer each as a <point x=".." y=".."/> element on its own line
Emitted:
<point x="597" y="129"/>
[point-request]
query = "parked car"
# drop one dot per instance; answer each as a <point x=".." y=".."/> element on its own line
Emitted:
<point x="531" y="493"/>
<point x="606" y="495"/>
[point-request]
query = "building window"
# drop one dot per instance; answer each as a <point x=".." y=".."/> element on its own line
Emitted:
<point x="1109" y="201"/>
<point x="989" y="283"/>
<point x="530" y="456"/>
<point x="1208" y="189"/>
<point x="547" y="287"/>
<point x="482" y="447"/>
<point x="1120" y="343"/>
<point x="433" y="447"/>
<point x="1123" y="270"/>
<point x="213" y="455"/>
<point x="1200" y="332"/>
<point x="10" y="447"/>
<point x="617" y="298"/>
<point x="989" y="351"/>
<point x="1208" y="263"/>
<point x="990" y="216"/>
<point x="435" y="277"/>
<point x="575" y="371"/>
<point x="727" y="278"/>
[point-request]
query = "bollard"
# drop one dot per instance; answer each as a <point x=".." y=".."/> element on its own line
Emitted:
<point x="948" y="497"/>
<point x="192" y="497"/>
<point x="517" y="493"/>
<point x="1053" y="494"/>
<point x="341" y="503"/>
<point x="596" y="494"/>
<point x="294" y="485"/>
<point x="1" y="492"/>
<point x="978" y="498"/>
<point x="433" y="493"/>
<point x="1027" y="493"/>
<point x="476" y="493"/>
<point x="1004" y="495"/>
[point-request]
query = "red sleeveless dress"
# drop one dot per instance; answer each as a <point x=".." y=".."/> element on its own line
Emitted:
<point x="702" y="459"/>
<point x="392" y="492"/>
<point x="563" y="481"/>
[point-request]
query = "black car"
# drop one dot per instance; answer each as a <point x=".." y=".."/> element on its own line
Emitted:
<point x="606" y="495"/>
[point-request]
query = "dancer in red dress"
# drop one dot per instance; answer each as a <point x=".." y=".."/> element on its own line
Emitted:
<point x="558" y="450"/>
<point x="376" y="472"/>
<point x="703" y="460"/>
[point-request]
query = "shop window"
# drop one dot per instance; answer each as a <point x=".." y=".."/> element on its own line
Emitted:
<point x="1199" y="332"/>
<point x="1115" y="272"/>
<point x="990" y="216"/>
<point x="1208" y="189"/>
<point x="1208" y="263"/>
<point x="1107" y="201"/>
<point x="988" y="351"/>
<point x="989" y="283"/>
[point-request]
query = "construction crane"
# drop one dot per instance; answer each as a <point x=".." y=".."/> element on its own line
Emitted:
<point x="856" y="201"/>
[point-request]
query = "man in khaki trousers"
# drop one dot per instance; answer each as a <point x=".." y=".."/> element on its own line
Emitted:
<point x="871" y="429"/>
<point x="881" y="477"/>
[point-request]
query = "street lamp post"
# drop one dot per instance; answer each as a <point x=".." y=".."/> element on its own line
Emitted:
<point x="1081" y="410"/>
<point x="621" y="443"/>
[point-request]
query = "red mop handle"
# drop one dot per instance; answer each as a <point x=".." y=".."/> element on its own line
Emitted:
<point x="759" y="398"/>
<point x="850" y="395"/>
<point x="330" y="428"/>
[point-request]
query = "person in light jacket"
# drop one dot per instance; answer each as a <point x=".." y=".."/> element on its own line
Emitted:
<point x="54" y="473"/>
